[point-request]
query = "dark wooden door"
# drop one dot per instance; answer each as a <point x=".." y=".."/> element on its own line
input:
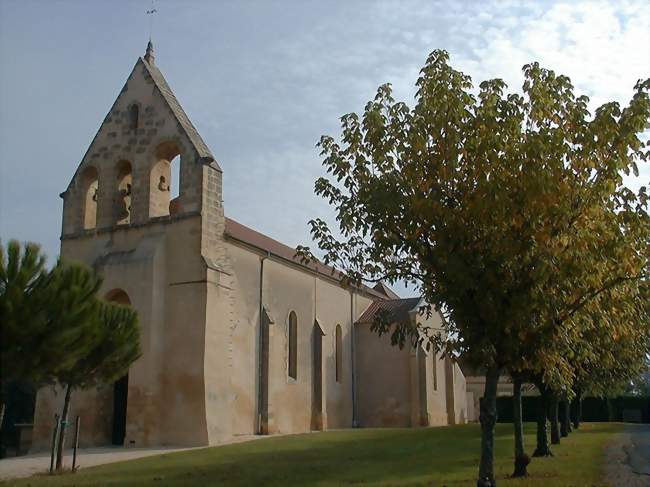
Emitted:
<point x="120" y="395"/>
<point x="264" y="379"/>
<point x="317" y="379"/>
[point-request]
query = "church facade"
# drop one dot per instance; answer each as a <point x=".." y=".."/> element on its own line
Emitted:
<point x="238" y="336"/>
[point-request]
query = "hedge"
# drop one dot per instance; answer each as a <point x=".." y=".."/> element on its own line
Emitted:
<point x="594" y="409"/>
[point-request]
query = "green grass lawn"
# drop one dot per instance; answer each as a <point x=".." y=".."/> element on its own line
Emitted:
<point x="428" y="457"/>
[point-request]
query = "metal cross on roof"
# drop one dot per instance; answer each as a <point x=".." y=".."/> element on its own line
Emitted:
<point x="151" y="13"/>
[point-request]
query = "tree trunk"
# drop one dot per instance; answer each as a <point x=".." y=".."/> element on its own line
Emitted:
<point x="2" y="413"/>
<point x="488" y="419"/>
<point x="577" y="410"/>
<point x="565" y="419"/>
<point x="521" y="459"/>
<point x="543" y="449"/>
<point x="64" y="425"/>
<point x="553" y="419"/>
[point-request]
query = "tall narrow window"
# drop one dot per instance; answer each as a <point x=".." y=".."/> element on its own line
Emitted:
<point x="435" y="369"/>
<point x="293" y="345"/>
<point x="134" y="114"/>
<point x="339" y="353"/>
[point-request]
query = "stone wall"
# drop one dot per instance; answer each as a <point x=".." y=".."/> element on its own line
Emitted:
<point x="154" y="257"/>
<point x="148" y="148"/>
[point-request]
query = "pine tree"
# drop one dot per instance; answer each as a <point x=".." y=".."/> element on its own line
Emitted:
<point x="114" y="345"/>
<point x="22" y="272"/>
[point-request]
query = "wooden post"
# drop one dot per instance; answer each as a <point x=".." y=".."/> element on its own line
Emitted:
<point x="76" y="444"/>
<point x="54" y="435"/>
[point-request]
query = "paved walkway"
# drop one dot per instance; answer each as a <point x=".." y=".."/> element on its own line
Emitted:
<point x="638" y="452"/>
<point x="25" y="466"/>
<point x="628" y="458"/>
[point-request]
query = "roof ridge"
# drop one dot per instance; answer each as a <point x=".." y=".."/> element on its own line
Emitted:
<point x="179" y="113"/>
<point x="397" y="309"/>
<point x="286" y="252"/>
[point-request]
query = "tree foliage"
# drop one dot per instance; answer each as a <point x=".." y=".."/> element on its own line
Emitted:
<point x="43" y="314"/>
<point x="113" y="345"/>
<point x="507" y="211"/>
<point x="55" y="329"/>
<point x="22" y="272"/>
<point x="101" y="339"/>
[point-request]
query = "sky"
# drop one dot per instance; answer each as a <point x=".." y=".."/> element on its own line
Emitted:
<point x="263" y="80"/>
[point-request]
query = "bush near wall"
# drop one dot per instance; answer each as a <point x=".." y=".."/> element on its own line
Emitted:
<point x="594" y="409"/>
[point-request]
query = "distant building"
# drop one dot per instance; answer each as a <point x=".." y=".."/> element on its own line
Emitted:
<point x="475" y="382"/>
<point x="238" y="336"/>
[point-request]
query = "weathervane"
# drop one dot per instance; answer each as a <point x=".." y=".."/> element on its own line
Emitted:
<point x="151" y="13"/>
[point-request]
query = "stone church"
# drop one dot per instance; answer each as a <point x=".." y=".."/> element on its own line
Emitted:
<point x="238" y="336"/>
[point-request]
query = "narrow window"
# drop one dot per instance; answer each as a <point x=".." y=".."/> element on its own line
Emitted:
<point x="134" y="114"/>
<point x="435" y="370"/>
<point x="339" y="353"/>
<point x="293" y="345"/>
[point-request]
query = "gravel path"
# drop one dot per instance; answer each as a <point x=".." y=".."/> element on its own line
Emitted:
<point x="628" y="458"/>
<point x="25" y="466"/>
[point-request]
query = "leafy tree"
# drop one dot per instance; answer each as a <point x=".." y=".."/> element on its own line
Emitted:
<point x="616" y="346"/>
<point x="494" y="207"/>
<point x="114" y="346"/>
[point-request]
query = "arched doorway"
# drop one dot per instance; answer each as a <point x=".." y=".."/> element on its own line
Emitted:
<point x="317" y="378"/>
<point x="121" y="386"/>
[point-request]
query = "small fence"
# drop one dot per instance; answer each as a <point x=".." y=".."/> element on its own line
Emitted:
<point x="632" y="409"/>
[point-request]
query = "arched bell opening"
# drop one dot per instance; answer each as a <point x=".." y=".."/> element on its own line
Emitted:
<point x="122" y="197"/>
<point x="89" y="189"/>
<point x="165" y="194"/>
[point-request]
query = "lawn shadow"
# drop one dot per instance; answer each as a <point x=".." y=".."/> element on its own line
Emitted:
<point x="369" y="457"/>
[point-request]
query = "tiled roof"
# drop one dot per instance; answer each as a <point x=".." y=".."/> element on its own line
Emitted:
<point x="397" y="309"/>
<point x="184" y="121"/>
<point x="246" y="235"/>
<point x="384" y="289"/>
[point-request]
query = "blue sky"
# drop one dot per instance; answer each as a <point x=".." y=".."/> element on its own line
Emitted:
<point x="263" y="80"/>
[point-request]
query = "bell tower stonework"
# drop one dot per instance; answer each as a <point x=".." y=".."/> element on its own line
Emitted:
<point x="160" y="254"/>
